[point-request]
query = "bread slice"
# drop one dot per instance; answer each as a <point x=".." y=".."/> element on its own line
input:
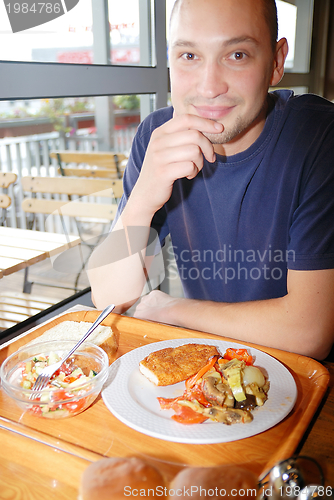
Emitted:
<point x="103" y="336"/>
<point x="175" y="364"/>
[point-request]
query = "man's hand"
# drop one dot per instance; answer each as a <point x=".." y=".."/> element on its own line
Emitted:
<point x="154" y="307"/>
<point x="175" y="151"/>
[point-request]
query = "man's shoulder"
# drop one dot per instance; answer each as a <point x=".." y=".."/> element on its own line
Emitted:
<point x="303" y="102"/>
<point x="313" y="103"/>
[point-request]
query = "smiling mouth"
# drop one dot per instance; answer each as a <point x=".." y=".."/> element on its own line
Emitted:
<point x="213" y="112"/>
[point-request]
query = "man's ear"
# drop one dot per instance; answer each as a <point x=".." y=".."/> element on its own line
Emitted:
<point x="282" y="49"/>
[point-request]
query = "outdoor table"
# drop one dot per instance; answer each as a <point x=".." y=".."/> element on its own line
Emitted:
<point x="21" y="248"/>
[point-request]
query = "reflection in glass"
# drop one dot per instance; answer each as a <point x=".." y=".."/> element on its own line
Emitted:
<point x="68" y="38"/>
<point x="124" y="32"/>
<point x="79" y="35"/>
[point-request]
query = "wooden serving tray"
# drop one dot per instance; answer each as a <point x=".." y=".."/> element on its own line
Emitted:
<point x="96" y="432"/>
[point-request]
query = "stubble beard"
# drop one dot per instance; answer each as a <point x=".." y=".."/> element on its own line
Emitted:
<point x="229" y="134"/>
<point x="240" y="125"/>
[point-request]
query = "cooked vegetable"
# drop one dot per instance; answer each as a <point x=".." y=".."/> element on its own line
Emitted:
<point x="257" y="391"/>
<point x="232" y="373"/>
<point x="215" y="390"/>
<point x="190" y="382"/>
<point x="225" y="391"/>
<point x="251" y="374"/>
<point x="240" y="354"/>
<point x="247" y="404"/>
<point x="228" y="416"/>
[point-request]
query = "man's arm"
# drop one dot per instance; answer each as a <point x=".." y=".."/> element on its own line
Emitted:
<point x="176" y="150"/>
<point x="302" y="321"/>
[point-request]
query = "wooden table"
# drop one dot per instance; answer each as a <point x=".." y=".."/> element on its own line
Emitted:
<point x="41" y="458"/>
<point x="20" y="248"/>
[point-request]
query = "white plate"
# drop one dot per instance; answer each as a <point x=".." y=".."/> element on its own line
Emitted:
<point x="133" y="399"/>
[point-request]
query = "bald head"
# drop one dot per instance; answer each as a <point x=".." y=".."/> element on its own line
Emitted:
<point x="269" y="12"/>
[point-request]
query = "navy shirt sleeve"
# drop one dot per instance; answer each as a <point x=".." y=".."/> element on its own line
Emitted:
<point x="312" y="228"/>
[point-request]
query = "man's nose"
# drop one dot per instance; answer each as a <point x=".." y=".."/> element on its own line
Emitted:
<point x="212" y="81"/>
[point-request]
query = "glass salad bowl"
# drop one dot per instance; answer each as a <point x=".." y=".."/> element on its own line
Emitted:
<point x="71" y="389"/>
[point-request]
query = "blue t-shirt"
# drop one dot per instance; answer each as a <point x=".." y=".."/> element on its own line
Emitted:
<point x="243" y="221"/>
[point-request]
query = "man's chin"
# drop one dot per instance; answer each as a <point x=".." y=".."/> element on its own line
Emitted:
<point x="222" y="138"/>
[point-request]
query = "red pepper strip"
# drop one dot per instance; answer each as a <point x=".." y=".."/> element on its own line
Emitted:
<point x="190" y="382"/>
<point x="240" y="354"/>
<point x="189" y="395"/>
<point x="196" y="393"/>
<point x="167" y="403"/>
<point x="186" y="415"/>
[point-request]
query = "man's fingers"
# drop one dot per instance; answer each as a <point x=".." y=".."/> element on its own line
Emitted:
<point x="188" y="153"/>
<point x="193" y="122"/>
<point x="183" y="169"/>
<point x="185" y="142"/>
<point x="194" y="173"/>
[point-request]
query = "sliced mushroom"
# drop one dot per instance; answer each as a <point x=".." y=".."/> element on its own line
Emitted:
<point x="216" y="391"/>
<point x="247" y="404"/>
<point x="228" y="416"/>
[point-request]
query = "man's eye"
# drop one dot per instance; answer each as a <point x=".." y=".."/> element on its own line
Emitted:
<point x="189" y="56"/>
<point x="238" y="56"/>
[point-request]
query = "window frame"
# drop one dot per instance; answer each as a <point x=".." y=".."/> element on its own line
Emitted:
<point x="39" y="80"/>
<point x="314" y="79"/>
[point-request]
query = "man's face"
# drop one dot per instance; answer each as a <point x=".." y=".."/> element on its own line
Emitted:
<point x="221" y="65"/>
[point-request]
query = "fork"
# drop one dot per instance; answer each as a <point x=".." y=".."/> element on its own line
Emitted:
<point x="44" y="377"/>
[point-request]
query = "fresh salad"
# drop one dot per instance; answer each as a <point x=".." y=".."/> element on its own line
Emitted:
<point x="64" y="393"/>
<point x="226" y="390"/>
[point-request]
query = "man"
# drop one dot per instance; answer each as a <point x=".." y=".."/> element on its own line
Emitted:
<point x="241" y="179"/>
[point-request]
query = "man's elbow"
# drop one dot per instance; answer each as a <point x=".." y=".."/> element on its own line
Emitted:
<point x="318" y="342"/>
<point x="321" y="352"/>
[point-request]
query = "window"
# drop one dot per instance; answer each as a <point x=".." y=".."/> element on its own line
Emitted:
<point x="93" y="32"/>
<point x="74" y="75"/>
<point x="295" y="23"/>
<point x="305" y="24"/>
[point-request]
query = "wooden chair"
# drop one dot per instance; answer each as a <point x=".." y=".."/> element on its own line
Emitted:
<point x="70" y="186"/>
<point x="6" y="179"/>
<point x="110" y="190"/>
<point x="103" y="164"/>
<point x="16" y="307"/>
